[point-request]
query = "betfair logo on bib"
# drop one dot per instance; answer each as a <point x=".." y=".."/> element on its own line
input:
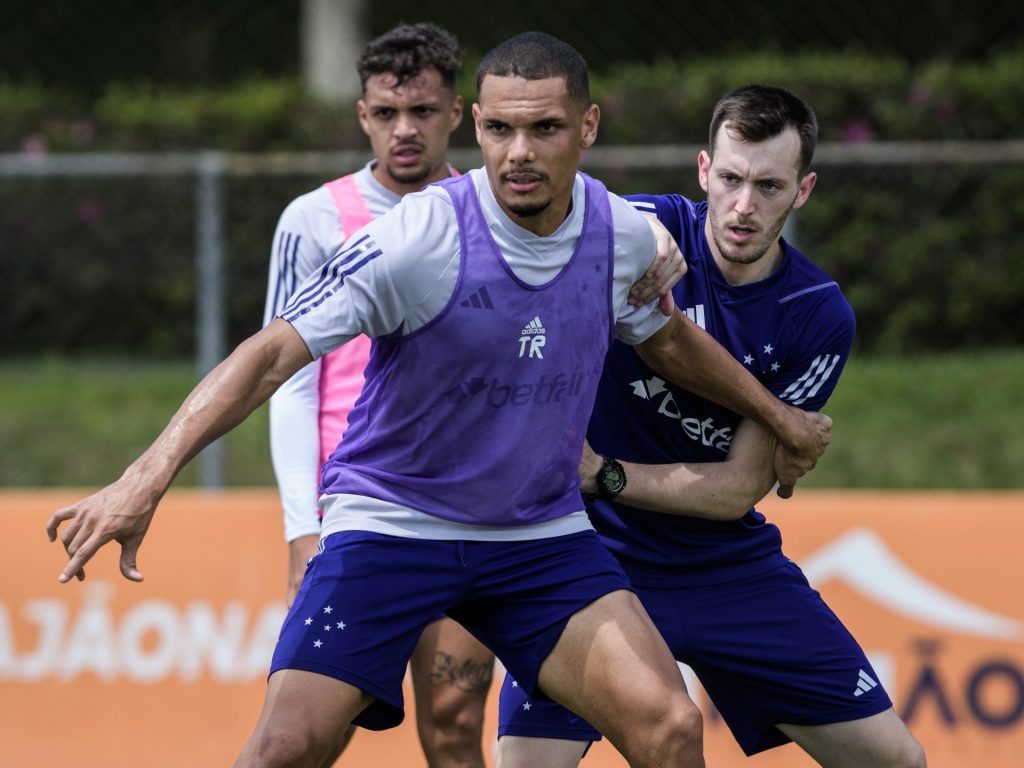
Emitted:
<point x="531" y="340"/>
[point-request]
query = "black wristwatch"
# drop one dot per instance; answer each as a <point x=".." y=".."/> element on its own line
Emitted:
<point x="611" y="480"/>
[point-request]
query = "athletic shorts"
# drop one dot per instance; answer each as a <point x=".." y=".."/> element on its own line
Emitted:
<point x="366" y="599"/>
<point x="767" y="650"/>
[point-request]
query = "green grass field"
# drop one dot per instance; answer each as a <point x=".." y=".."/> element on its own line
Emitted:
<point x="954" y="421"/>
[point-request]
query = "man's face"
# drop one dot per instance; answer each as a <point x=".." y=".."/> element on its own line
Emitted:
<point x="532" y="134"/>
<point x="751" y="188"/>
<point x="409" y="127"/>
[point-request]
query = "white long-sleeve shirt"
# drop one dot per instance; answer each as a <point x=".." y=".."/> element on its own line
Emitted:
<point x="308" y="234"/>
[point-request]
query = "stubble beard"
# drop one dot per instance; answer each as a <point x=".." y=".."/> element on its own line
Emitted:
<point x="526" y="210"/>
<point x="729" y="253"/>
<point x="409" y="176"/>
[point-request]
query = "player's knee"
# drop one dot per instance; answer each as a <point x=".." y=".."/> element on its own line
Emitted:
<point x="674" y="738"/>
<point x="686" y="728"/>
<point x="911" y="754"/>
<point x="280" y="747"/>
<point x="455" y="735"/>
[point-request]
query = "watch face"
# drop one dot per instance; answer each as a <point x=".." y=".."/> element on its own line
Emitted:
<point x="612" y="479"/>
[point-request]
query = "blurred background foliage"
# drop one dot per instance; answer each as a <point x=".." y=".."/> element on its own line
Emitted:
<point x="97" y="276"/>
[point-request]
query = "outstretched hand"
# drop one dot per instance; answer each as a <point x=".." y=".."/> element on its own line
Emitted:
<point x="120" y="512"/>
<point x="799" y="455"/>
<point x="665" y="271"/>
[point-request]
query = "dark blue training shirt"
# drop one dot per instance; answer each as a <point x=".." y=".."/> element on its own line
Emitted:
<point x="792" y="330"/>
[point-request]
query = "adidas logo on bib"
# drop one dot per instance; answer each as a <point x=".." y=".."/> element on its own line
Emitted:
<point x="531" y="340"/>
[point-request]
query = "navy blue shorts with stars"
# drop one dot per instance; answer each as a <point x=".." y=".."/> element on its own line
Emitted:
<point x="367" y="597"/>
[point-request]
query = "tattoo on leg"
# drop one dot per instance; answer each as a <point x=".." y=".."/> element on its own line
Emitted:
<point x="468" y="675"/>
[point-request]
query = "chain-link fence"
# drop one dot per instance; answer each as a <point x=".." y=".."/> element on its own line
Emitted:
<point x="102" y="252"/>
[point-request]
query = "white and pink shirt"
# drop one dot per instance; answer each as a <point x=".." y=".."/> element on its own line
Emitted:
<point x="309" y="414"/>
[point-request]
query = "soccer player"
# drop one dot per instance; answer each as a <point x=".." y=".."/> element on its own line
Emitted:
<point x="672" y="477"/>
<point x="492" y="299"/>
<point x="408" y="110"/>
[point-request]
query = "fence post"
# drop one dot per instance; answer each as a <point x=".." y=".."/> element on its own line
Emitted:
<point x="209" y="276"/>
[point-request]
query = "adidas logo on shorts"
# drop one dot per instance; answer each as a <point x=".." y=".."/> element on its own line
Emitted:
<point x="864" y="683"/>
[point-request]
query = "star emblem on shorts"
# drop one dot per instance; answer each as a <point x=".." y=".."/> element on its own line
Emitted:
<point x="317" y="643"/>
<point x="775" y="367"/>
<point x="341" y="625"/>
<point x="748" y="359"/>
<point x="309" y="621"/>
<point x="328" y="609"/>
<point x="527" y="705"/>
<point x="327" y="627"/>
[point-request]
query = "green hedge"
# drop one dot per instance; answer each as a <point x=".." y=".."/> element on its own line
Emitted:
<point x="929" y="255"/>
<point x="857" y="96"/>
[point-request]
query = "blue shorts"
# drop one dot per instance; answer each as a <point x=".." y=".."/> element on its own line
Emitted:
<point x="767" y="650"/>
<point x="366" y="599"/>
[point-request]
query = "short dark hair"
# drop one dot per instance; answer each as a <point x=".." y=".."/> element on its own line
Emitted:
<point x="759" y="112"/>
<point x="538" y="56"/>
<point x="408" y="49"/>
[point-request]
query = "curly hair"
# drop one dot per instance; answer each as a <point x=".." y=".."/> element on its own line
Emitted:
<point x="408" y="49"/>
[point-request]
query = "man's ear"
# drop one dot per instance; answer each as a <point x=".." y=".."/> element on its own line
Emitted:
<point x="477" y="122"/>
<point x="364" y="116"/>
<point x="806" y="185"/>
<point x="703" y="168"/>
<point x="591" y="119"/>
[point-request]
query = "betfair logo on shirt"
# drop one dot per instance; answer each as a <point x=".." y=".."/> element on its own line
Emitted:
<point x="704" y="431"/>
<point x="531" y="340"/>
<point x="497" y="393"/>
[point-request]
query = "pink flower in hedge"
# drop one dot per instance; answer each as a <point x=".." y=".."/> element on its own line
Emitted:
<point x="920" y="94"/>
<point x="857" y="132"/>
<point x="34" y="144"/>
<point x="82" y="133"/>
<point x="90" y="211"/>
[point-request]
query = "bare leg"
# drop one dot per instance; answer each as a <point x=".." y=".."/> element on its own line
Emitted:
<point x="879" y="741"/>
<point x="451" y="674"/>
<point x="530" y="752"/>
<point x="341" y="746"/>
<point x="303" y="713"/>
<point x="612" y="668"/>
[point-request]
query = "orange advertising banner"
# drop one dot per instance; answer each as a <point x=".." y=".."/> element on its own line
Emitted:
<point x="109" y="674"/>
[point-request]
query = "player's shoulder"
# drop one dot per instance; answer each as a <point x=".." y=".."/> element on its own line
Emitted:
<point x="633" y="238"/>
<point x="673" y="205"/>
<point x="627" y="220"/>
<point x="680" y="215"/>
<point x="673" y="202"/>
<point x="312" y="206"/>
<point x="421" y="228"/>
<point x="432" y="196"/>
<point x="809" y="285"/>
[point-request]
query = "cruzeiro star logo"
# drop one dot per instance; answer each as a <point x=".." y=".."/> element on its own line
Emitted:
<point x="331" y="624"/>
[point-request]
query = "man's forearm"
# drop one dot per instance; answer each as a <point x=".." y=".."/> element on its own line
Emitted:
<point x="221" y="401"/>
